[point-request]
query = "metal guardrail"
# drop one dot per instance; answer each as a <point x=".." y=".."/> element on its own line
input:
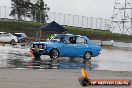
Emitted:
<point x="61" y="18"/>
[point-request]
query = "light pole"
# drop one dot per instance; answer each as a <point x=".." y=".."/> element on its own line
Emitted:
<point x="87" y="22"/>
<point x="64" y="19"/>
<point x="68" y="18"/>
<point x="77" y="20"/>
<point x="100" y="23"/>
<point x="54" y="15"/>
<point x="82" y="21"/>
<point x="105" y="24"/>
<point x="50" y="18"/>
<point x="91" y="22"/>
<point x="73" y="20"/>
<point x="59" y="18"/>
<point x="96" y="23"/>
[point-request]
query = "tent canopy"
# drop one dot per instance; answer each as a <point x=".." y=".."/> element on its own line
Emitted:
<point x="53" y="27"/>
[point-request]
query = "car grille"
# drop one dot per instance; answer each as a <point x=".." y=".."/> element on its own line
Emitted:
<point x="38" y="46"/>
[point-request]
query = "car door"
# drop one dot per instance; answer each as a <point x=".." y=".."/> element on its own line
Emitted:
<point x="69" y="47"/>
<point x="7" y="37"/>
<point x="3" y="38"/>
<point x="81" y="46"/>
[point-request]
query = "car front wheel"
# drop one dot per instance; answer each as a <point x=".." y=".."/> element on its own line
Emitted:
<point x="54" y="53"/>
<point x="87" y="55"/>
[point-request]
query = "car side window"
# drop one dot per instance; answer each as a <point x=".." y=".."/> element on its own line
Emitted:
<point x="7" y="35"/>
<point x="62" y="38"/>
<point x="81" y="40"/>
<point x="72" y="40"/>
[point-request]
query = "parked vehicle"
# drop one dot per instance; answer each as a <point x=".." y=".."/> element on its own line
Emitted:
<point x="1" y="33"/>
<point x="21" y="37"/>
<point x="8" y="38"/>
<point x="67" y="45"/>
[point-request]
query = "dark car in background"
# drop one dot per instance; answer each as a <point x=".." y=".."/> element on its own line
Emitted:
<point x="21" y="37"/>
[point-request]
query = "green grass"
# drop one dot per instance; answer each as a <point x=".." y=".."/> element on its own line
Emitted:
<point x="31" y="29"/>
<point x="101" y="35"/>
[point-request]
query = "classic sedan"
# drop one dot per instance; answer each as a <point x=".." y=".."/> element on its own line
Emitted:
<point x="8" y="38"/>
<point x="66" y="45"/>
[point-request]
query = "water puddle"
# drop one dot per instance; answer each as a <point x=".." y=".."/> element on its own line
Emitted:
<point x="62" y="64"/>
<point x="17" y="57"/>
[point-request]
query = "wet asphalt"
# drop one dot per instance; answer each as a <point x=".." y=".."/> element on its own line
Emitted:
<point x="109" y="59"/>
<point x="16" y="71"/>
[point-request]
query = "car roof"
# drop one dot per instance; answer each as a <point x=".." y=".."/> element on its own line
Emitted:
<point x="19" y="33"/>
<point x="2" y="32"/>
<point x="69" y="34"/>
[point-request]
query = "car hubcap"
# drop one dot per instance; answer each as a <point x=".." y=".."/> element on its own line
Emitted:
<point x="12" y="41"/>
<point x="88" y="55"/>
<point x="55" y="53"/>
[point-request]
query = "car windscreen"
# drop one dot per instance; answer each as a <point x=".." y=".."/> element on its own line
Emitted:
<point x="18" y="35"/>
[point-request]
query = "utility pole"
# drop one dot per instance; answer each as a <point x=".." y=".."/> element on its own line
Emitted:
<point x="64" y="19"/>
<point x="59" y="18"/>
<point x="77" y="20"/>
<point x="73" y="21"/>
<point x="83" y="21"/>
<point x="122" y="16"/>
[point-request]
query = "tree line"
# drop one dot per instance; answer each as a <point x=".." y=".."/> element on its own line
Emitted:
<point x="37" y="10"/>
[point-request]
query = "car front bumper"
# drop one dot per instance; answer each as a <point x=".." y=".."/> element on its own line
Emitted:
<point x="41" y="51"/>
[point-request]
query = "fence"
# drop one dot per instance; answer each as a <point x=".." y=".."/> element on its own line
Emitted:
<point x="62" y="19"/>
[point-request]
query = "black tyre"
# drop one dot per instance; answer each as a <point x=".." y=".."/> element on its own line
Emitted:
<point x="37" y="56"/>
<point x="24" y="40"/>
<point x="12" y="42"/>
<point x="54" y="53"/>
<point x="87" y="55"/>
<point x="19" y="41"/>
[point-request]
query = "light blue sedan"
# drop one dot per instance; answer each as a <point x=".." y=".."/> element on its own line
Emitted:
<point x="66" y="45"/>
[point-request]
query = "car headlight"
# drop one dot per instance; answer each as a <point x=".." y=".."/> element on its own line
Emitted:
<point x="43" y="47"/>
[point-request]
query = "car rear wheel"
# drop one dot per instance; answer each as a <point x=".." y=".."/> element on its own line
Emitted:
<point x="87" y="55"/>
<point x="54" y="53"/>
<point x="19" y="41"/>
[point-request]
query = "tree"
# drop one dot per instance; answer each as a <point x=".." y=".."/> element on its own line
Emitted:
<point x="20" y="8"/>
<point x="39" y="11"/>
<point x="26" y="8"/>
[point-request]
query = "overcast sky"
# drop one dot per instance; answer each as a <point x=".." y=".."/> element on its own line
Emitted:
<point x="90" y="8"/>
<point x="94" y="8"/>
